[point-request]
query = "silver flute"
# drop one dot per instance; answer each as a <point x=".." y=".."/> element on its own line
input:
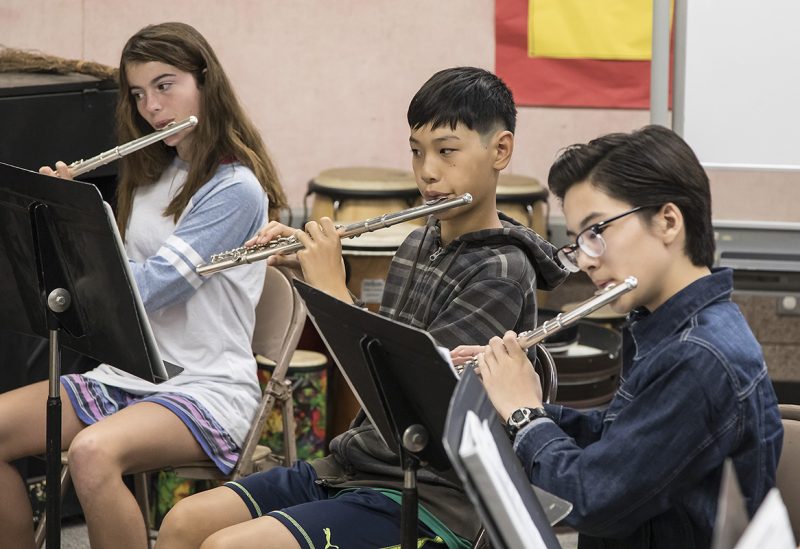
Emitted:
<point x="533" y="337"/>
<point x="82" y="166"/>
<point x="290" y="244"/>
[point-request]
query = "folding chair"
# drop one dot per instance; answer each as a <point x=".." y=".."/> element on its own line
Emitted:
<point x="788" y="477"/>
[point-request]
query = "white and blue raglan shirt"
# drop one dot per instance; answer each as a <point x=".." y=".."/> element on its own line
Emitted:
<point x="203" y="324"/>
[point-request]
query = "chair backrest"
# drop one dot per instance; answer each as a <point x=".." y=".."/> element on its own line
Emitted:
<point x="280" y="317"/>
<point x="788" y="481"/>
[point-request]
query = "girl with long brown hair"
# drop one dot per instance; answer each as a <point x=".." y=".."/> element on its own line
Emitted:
<point x="205" y="189"/>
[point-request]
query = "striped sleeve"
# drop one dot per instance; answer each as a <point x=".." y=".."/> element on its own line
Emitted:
<point x="221" y="215"/>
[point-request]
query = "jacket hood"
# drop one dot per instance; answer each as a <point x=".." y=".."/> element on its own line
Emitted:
<point x="549" y="272"/>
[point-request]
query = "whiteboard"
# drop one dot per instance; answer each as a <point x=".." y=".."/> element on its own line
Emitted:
<point x="742" y="83"/>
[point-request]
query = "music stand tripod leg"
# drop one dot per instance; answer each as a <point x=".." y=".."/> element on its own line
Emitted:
<point x="415" y="438"/>
<point x="58" y="301"/>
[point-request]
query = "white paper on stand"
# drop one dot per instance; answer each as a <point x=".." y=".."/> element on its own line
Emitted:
<point x="482" y="459"/>
<point x="770" y="526"/>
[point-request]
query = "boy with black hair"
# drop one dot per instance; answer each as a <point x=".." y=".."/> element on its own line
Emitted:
<point x="645" y="473"/>
<point x="469" y="274"/>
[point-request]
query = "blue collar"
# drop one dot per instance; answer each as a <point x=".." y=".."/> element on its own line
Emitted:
<point x="649" y="330"/>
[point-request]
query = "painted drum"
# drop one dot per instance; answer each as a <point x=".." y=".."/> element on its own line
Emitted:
<point x="309" y="376"/>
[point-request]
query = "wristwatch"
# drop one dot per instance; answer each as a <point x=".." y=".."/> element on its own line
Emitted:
<point x="520" y="417"/>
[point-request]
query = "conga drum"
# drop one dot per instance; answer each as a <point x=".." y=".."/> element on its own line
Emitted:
<point x="588" y="358"/>
<point x="588" y="367"/>
<point x="354" y="194"/>
<point x="309" y="376"/>
<point x="367" y="259"/>
<point x="524" y="199"/>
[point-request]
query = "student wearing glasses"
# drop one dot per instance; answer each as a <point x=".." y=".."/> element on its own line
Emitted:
<point x="694" y="388"/>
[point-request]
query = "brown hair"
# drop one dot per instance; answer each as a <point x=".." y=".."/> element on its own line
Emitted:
<point x="223" y="132"/>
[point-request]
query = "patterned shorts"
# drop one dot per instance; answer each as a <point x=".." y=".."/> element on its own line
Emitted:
<point x="92" y="401"/>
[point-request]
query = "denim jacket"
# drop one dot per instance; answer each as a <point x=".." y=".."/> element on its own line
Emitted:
<point x="645" y="473"/>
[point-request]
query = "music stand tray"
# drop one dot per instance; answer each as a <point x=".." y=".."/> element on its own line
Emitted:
<point x="64" y="275"/>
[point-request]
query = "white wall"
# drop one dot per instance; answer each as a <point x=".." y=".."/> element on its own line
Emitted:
<point x="742" y="107"/>
<point x="328" y="82"/>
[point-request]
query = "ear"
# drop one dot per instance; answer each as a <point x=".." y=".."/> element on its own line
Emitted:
<point x="669" y="223"/>
<point x="502" y="147"/>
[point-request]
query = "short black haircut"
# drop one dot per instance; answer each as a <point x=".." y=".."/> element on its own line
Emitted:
<point x="464" y="95"/>
<point x="648" y="167"/>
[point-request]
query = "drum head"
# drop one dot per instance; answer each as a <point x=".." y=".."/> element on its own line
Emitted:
<point x="380" y="242"/>
<point x="594" y="353"/>
<point x="364" y="181"/>
<point x="513" y="187"/>
<point x="362" y="193"/>
<point x="588" y="369"/>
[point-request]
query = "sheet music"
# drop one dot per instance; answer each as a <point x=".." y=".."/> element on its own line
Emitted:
<point x="770" y="526"/>
<point x="482" y="459"/>
<point x="158" y="365"/>
<point x="445" y="353"/>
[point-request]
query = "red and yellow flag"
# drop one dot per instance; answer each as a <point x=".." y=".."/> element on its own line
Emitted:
<point x="575" y="53"/>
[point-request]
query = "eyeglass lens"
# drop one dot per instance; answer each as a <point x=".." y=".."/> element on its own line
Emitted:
<point x="590" y="242"/>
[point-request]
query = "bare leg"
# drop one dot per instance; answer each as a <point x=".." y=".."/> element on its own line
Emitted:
<point x="141" y="437"/>
<point x="23" y="425"/>
<point x="261" y="533"/>
<point x="197" y="517"/>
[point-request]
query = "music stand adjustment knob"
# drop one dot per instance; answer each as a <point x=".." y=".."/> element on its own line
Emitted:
<point x="415" y="438"/>
<point x="59" y="300"/>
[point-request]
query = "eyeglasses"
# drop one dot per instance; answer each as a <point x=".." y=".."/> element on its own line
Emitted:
<point x="590" y="241"/>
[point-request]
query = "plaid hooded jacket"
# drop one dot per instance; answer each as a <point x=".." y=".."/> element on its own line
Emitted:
<point x="475" y="287"/>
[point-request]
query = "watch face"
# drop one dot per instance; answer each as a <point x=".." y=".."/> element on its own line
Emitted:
<point x="519" y="416"/>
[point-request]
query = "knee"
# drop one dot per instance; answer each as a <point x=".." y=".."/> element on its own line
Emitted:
<point x="11" y="446"/>
<point x="218" y="540"/>
<point x="215" y="541"/>
<point x="91" y="462"/>
<point x="180" y="527"/>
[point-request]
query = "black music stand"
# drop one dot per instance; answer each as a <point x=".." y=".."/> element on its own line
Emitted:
<point x="544" y="508"/>
<point x="64" y="276"/>
<point x="401" y="381"/>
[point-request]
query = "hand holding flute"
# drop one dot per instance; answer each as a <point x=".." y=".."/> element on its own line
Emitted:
<point x="318" y="250"/>
<point x="82" y="166"/>
<point x="62" y="171"/>
<point x="507" y="374"/>
<point x="320" y="257"/>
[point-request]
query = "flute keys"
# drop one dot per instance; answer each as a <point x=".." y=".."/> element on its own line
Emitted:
<point x="237" y="254"/>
